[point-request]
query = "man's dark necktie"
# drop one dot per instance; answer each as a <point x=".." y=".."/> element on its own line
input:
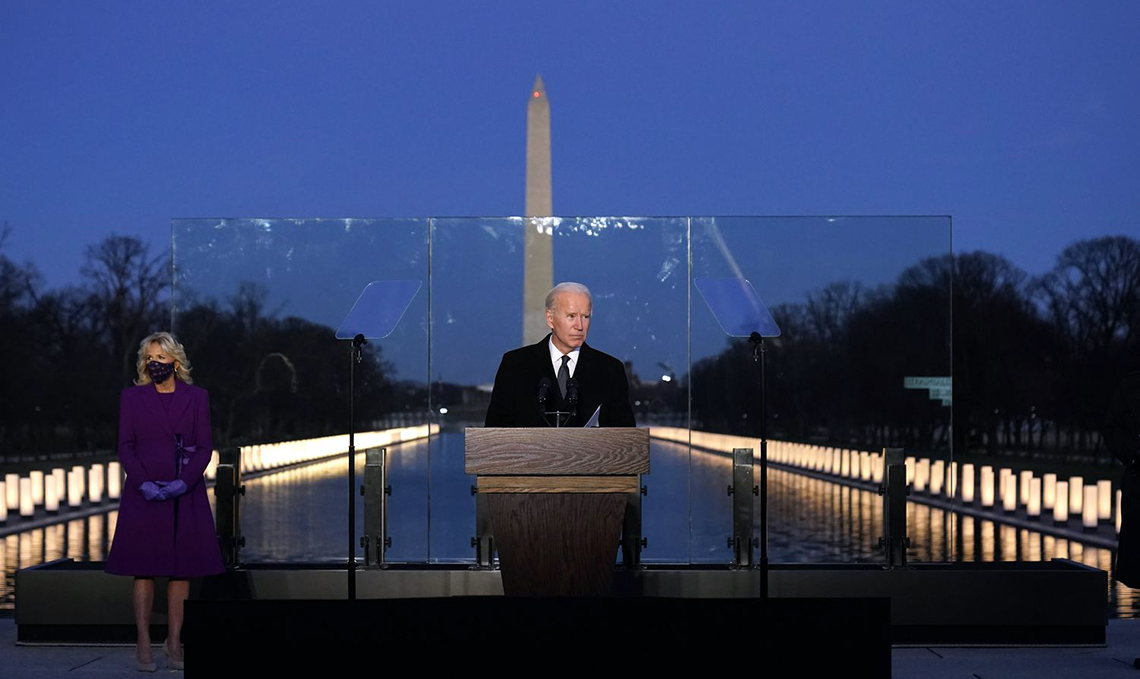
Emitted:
<point x="564" y="374"/>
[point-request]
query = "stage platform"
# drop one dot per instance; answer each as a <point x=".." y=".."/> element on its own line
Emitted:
<point x="1052" y="603"/>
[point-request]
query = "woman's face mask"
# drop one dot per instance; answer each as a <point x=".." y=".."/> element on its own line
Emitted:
<point x="159" y="372"/>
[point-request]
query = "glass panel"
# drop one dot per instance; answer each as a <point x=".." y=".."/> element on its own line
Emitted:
<point x="636" y="270"/>
<point x="863" y="304"/>
<point x="256" y="303"/>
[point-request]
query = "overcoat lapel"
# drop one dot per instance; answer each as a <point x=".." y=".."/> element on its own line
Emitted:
<point x="155" y="409"/>
<point x="542" y="357"/>
<point x="178" y="405"/>
<point x="585" y="362"/>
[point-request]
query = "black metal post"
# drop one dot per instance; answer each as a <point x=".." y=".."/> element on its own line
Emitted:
<point x="354" y="356"/>
<point x="758" y="351"/>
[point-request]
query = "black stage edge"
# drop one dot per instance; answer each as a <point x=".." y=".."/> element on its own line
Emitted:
<point x="792" y="637"/>
<point x="1029" y="603"/>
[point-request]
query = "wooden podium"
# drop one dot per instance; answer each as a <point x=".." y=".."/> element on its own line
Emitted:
<point x="557" y="498"/>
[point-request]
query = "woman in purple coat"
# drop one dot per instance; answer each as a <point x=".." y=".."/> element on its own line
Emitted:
<point x="165" y="528"/>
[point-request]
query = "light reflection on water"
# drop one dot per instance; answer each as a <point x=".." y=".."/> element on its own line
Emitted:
<point x="299" y="515"/>
<point x="81" y="539"/>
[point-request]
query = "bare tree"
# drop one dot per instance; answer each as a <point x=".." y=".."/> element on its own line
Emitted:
<point x="126" y="287"/>
<point x="1093" y="292"/>
<point x="829" y="310"/>
<point x="17" y="282"/>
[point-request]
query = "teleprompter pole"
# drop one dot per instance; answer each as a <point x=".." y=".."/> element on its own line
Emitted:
<point x="354" y="358"/>
<point x="759" y="349"/>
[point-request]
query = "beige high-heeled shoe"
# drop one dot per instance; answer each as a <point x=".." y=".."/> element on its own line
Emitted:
<point x="145" y="666"/>
<point x="170" y="661"/>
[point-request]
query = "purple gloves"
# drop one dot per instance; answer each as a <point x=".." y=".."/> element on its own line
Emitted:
<point x="157" y="491"/>
<point x="172" y="489"/>
<point x="151" y="491"/>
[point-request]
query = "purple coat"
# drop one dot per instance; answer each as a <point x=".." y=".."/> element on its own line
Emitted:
<point x="174" y="538"/>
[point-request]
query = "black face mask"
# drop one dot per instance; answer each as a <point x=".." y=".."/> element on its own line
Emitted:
<point x="159" y="372"/>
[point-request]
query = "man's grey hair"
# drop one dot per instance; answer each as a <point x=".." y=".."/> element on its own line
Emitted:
<point x="567" y="287"/>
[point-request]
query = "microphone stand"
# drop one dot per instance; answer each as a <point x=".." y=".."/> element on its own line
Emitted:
<point x="759" y="349"/>
<point x="571" y="400"/>
<point x="355" y="356"/>
<point x="558" y="417"/>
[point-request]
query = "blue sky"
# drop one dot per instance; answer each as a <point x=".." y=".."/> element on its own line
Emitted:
<point x="1016" y="118"/>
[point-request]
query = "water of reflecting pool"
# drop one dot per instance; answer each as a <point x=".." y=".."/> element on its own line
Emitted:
<point x="300" y="515"/>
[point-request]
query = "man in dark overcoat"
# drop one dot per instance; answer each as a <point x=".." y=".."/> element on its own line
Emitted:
<point x="560" y="357"/>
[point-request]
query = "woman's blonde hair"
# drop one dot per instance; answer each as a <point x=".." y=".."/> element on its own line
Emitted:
<point x="171" y="347"/>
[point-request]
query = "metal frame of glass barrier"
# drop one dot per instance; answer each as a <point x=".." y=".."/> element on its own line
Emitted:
<point x="818" y="272"/>
<point x="861" y="366"/>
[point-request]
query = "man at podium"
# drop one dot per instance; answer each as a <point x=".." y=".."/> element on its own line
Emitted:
<point x="561" y="373"/>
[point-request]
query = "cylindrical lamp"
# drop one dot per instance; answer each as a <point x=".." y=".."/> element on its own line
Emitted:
<point x="75" y="487"/>
<point x="1023" y="487"/>
<point x="1033" y="507"/>
<point x="60" y="475"/>
<point x="12" y="486"/>
<point x="937" y="476"/>
<point x="1048" y="491"/>
<point x="968" y="483"/>
<point x="212" y="467"/>
<point x="1088" y="515"/>
<point x="1076" y="494"/>
<point x="1104" y="499"/>
<point x="1061" y="508"/>
<point x="987" y="483"/>
<point x="27" y="507"/>
<point x="1009" y="501"/>
<point x="37" y="477"/>
<point x="114" y="480"/>
<point x="95" y="483"/>
<point x="921" y="475"/>
<point x="51" y="494"/>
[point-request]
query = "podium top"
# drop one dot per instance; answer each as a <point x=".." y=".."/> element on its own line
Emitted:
<point x="546" y="451"/>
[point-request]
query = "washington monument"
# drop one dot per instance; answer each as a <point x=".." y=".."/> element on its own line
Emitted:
<point x="538" y="266"/>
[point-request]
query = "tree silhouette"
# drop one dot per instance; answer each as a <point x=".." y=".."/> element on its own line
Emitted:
<point x="1034" y="359"/>
<point x="273" y="379"/>
<point x="126" y="287"/>
<point x="1092" y="299"/>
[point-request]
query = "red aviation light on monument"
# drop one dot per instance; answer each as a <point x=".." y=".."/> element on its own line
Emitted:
<point x="536" y="95"/>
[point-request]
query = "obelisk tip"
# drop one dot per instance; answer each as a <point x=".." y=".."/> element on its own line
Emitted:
<point x="538" y="90"/>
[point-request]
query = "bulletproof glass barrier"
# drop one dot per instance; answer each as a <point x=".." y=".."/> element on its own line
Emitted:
<point x="862" y="364"/>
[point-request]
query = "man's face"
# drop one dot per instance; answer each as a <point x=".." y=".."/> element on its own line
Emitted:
<point x="569" y="320"/>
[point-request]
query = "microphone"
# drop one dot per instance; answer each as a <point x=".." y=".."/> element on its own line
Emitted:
<point x="543" y="389"/>
<point x="571" y="392"/>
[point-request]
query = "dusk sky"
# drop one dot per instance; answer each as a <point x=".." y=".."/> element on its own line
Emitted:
<point x="1018" y="119"/>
